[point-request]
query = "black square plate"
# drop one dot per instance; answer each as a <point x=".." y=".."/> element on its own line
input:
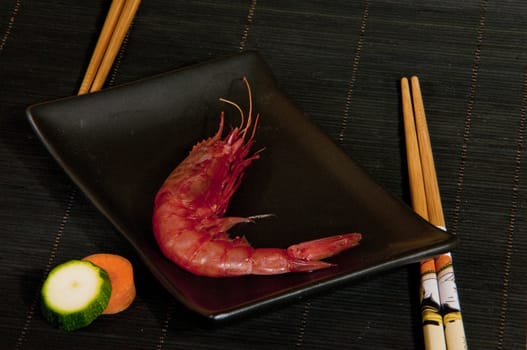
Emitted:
<point x="118" y="146"/>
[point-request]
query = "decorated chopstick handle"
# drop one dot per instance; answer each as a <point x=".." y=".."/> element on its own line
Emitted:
<point x="450" y="305"/>
<point x="432" y="320"/>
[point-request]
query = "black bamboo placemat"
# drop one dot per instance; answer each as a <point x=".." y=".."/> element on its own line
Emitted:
<point x="341" y="62"/>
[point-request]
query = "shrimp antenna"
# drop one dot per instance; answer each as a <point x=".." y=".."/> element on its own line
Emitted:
<point x="237" y="107"/>
<point x="249" y="117"/>
<point x="249" y="92"/>
<point x="255" y="125"/>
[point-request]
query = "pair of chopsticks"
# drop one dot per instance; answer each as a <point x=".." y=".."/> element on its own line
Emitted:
<point x="116" y="25"/>
<point x="440" y="309"/>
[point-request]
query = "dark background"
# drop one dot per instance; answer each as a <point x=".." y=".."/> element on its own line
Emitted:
<point x="341" y="61"/>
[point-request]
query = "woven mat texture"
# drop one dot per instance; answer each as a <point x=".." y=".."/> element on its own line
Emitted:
<point x="341" y="61"/>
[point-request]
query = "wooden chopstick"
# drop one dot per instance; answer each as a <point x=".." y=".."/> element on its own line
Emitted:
<point x="116" y="25"/>
<point x="102" y="43"/>
<point x="432" y="321"/>
<point x="433" y="198"/>
<point x="454" y="333"/>
<point x="450" y="305"/>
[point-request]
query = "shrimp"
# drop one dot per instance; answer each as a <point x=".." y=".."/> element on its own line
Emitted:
<point x="188" y="217"/>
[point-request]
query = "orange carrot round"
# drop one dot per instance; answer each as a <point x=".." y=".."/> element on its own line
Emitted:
<point x="121" y="278"/>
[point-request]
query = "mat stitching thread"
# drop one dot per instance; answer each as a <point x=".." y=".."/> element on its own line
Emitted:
<point x="117" y="63"/>
<point x="51" y="261"/>
<point x="354" y="70"/>
<point x="249" y="22"/>
<point x="10" y="24"/>
<point x="303" y="324"/>
<point x="164" y="329"/>
<point x="512" y="217"/>
<point x="468" y="115"/>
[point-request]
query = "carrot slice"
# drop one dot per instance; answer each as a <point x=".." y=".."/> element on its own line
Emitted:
<point x="121" y="278"/>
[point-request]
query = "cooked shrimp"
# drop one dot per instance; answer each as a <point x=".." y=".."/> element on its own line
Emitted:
<point x="188" y="217"/>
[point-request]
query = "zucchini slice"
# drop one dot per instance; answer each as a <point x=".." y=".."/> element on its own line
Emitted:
<point x="74" y="294"/>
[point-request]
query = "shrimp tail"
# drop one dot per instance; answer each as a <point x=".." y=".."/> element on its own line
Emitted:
<point x="273" y="261"/>
<point x="324" y="247"/>
<point x="301" y="257"/>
